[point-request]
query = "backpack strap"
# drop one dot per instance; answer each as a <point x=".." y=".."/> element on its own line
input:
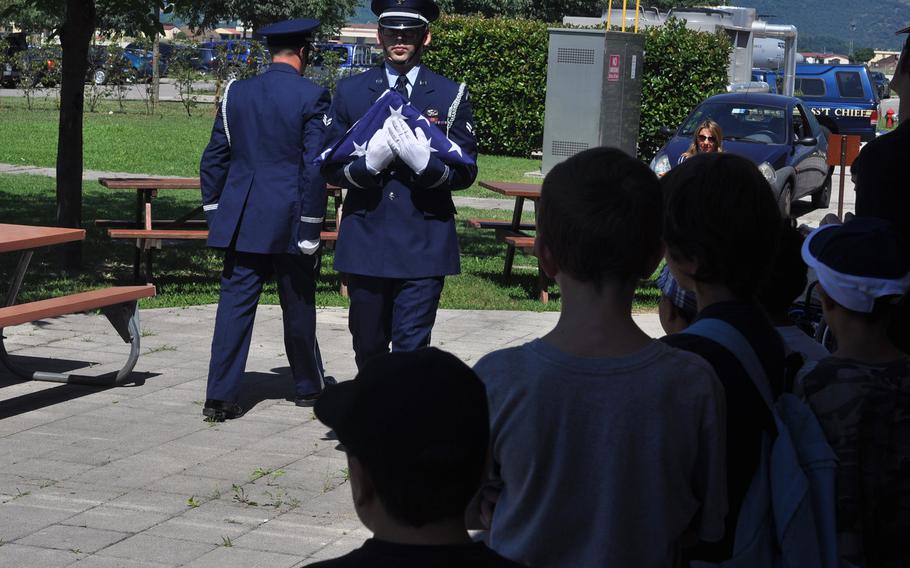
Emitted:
<point x="733" y="341"/>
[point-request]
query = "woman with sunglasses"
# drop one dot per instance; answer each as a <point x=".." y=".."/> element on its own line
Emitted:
<point x="708" y="138"/>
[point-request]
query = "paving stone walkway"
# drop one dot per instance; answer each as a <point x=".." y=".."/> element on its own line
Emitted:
<point x="133" y="477"/>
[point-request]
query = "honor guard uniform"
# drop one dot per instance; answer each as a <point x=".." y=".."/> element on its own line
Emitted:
<point x="397" y="238"/>
<point x="264" y="201"/>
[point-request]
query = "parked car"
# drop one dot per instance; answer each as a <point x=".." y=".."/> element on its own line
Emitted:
<point x="779" y="134"/>
<point x="205" y="58"/>
<point x="882" y="84"/>
<point x="842" y="97"/>
<point x="133" y="65"/>
<point x="352" y="58"/>
<point x="239" y="53"/>
<point x="11" y="43"/>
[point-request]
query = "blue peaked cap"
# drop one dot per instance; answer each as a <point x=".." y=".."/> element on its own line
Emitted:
<point x="298" y="27"/>
<point x="405" y="13"/>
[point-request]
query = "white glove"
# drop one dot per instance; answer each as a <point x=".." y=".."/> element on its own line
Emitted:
<point x="379" y="153"/>
<point x="308" y="247"/>
<point x="412" y="147"/>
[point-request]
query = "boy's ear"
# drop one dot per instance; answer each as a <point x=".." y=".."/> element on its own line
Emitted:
<point x="362" y="491"/>
<point x="827" y="303"/>
<point x="545" y="257"/>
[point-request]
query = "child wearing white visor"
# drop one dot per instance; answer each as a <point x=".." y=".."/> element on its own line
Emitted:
<point x="861" y="394"/>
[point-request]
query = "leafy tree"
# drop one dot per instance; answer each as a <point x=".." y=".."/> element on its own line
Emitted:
<point x="256" y="13"/>
<point x="863" y="54"/>
<point x="75" y="22"/>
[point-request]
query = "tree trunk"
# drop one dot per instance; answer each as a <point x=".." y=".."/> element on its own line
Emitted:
<point x="76" y="34"/>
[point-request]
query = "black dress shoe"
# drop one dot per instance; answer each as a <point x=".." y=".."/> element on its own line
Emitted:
<point x="310" y="399"/>
<point x="220" y="410"/>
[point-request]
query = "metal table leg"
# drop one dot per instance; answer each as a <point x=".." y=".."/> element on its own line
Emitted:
<point x="516" y="227"/>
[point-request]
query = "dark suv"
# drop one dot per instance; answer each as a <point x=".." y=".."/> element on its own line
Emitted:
<point x="882" y="83"/>
<point x="842" y="97"/>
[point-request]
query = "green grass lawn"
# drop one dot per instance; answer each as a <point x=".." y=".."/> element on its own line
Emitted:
<point x="188" y="271"/>
<point x="168" y="143"/>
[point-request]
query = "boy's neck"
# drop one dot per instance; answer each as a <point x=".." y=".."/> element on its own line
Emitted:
<point x="445" y="532"/>
<point x="863" y="340"/>
<point x="709" y="293"/>
<point x="596" y="323"/>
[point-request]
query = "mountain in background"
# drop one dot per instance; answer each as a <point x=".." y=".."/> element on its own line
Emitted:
<point x="825" y="24"/>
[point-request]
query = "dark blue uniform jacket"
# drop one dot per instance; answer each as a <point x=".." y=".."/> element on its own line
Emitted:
<point x="398" y="224"/>
<point x="261" y="190"/>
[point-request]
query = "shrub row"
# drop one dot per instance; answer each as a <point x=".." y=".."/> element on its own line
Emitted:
<point x="504" y="63"/>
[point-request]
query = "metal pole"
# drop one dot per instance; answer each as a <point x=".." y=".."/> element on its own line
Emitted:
<point x="637" y="9"/>
<point x="843" y="167"/>
<point x="609" y="14"/>
<point x="624" y="4"/>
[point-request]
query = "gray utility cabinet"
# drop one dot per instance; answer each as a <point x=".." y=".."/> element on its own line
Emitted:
<point x="593" y="92"/>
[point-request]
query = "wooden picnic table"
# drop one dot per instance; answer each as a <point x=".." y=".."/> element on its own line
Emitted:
<point x="513" y="235"/>
<point x="148" y="232"/>
<point x="119" y="303"/>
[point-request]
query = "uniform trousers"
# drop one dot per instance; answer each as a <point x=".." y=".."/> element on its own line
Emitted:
<point x="241" y="285"/>
<point x="391" y="310"/>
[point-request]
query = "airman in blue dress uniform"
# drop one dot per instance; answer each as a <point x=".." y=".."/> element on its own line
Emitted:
<point x="397" y="238"/>
<point x="264" y="200"/>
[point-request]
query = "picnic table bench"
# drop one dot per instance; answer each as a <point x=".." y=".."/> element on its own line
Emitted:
<point x="148" y="233"/>
<point x="513" y="233"/>
<point x="118" y="303"/>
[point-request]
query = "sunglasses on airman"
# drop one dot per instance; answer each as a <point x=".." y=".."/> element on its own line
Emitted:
<point x="406" y="35"/>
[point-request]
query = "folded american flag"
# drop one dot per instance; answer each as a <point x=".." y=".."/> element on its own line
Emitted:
<point x="354" y="143"/>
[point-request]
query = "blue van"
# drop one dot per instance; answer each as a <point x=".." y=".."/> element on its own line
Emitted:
<point x="842" y="97"/>
<point x="354" y="58"/>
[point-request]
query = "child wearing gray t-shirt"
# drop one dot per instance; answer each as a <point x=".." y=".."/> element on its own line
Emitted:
<point x="607" y="446"/>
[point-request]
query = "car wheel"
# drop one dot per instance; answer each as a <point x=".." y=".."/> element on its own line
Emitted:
<point x="99" y="77"/>
<point x="785" y="200"/>
<point x="821" y="199"/>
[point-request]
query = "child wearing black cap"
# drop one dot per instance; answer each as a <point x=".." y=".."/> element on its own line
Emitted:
<point x="415" y="428"/>
<point x="608" y="444"/>
<point x="861" y="394"/>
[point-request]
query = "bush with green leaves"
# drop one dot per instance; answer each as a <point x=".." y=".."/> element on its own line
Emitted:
<point x="184" y="75"/>
<point x="504" y="63"/>
<point x="32" y="66"/>
<point x="325" y="67"/>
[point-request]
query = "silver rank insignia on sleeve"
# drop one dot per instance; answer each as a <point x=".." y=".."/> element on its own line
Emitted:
<point x="470" y="127"/>
<point x="326" y="120"/>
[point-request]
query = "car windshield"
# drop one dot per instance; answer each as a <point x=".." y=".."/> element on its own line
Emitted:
<point x="741" y="122"/>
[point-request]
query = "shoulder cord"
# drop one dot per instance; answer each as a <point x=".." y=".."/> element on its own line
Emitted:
<point x="224" y="107"/>
<point x="453" y="110"/>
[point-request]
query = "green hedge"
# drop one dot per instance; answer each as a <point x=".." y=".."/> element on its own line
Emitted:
<point x="504" y="63"/>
